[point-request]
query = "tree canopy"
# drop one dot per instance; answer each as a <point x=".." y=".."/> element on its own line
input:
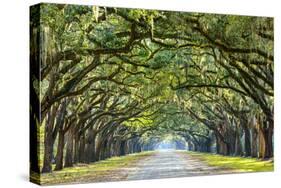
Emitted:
<point x="114" y="81"/>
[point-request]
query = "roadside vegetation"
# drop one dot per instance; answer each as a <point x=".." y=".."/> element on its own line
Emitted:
<point x="241" y="164"/>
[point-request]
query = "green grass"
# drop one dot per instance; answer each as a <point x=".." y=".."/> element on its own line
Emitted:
<point x="239" y="164"/>
<point x="91" y="172"/>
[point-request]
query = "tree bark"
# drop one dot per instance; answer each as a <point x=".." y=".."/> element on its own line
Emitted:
<point x="122" y="148"/>
<point x="69" y="150"/>
<point x="82" y="145"/>
<point x="268" y="134"/>
<point x="247" y="142"/>
<point x="254" y="142"/>
<point x="98" y="149"/>
<point x="49" y="141"/>
<point x="59" y="156"/>
<point x="261" y="140"/>
<point x="76" y="148"/>
<point x="222" y="147"/>
<point x="90" y="146"/>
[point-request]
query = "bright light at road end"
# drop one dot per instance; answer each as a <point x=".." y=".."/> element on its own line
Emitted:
<point x="171" y="142"/>
<point x="164" y="145"/>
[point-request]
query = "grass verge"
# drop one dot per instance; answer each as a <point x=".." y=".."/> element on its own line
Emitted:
<point x="105" y="170"/>
<point x="240" y="164"/>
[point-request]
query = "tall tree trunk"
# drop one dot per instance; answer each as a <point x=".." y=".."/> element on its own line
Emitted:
<point x="98" y="149"/>
<point x="190" y="146"/>
<point x="82" y="145"/>
<point x="108" y="147"/>
<point x="90" y="147"/>
<point x="222" y="147"/>
<point x="49" y="141"/>
<point x="238" y="146"/>
<point x="122" y="147"/>
<point x="48" y="153"/>
<point x="208" y="144"/>
<point x="69" y="149"/>
<point x="265" y="138"/>
<point x="247" y="142"/>
<point x="117" y="147"/>
<point x="261" y="140"/>
<point x="93" y="147"/>
<point x="268" y="134"/>
<point x="103" y="149"/>
<point x="254" y="139"/>
<point x="59" y="156"/>
<point x="76" y="147"/>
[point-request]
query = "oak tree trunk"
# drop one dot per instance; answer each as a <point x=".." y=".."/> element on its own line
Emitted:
<point x="49" y="141"/>
<point x="69" y="150"/>
<point x="59" y="156"/>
